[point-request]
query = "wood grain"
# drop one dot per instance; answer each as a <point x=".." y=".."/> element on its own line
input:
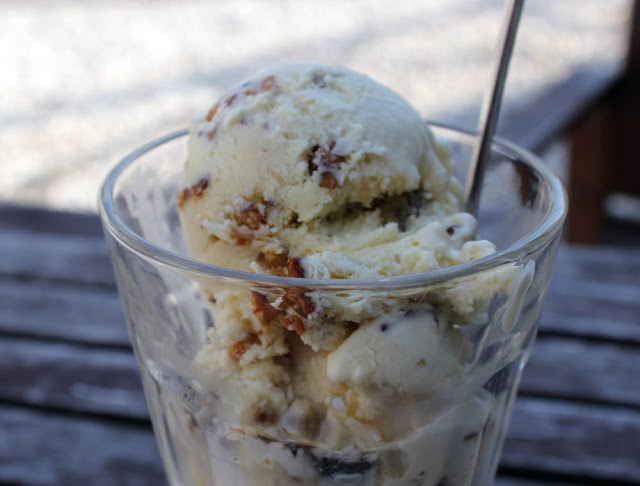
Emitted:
<point x="583" y="370"/>
<point x="594" y="292"/>
<point x="68" y="312"/>
<point x="602" y="263"/>
<point x="105" y="381"/>
<point x="574" y="439"/>
<point x="545" y="437"/>
<point x="41" y="220"/>
<point x="73" y="258"/>
<point x="52" y="449"/>
<point x="70" y="380"/>
<point x="66" y="376"/>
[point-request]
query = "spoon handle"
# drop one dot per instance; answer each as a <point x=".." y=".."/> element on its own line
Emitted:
<point x="491" y="104"/>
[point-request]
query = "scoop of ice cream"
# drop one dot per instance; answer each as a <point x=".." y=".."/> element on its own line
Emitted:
<point x="312" y="171"/>
<point x="316" y="171"/>
<point x="406" y="353"/>
<point x="297" y="155"/>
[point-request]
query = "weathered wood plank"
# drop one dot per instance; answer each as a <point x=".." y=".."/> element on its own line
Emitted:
<point x="582" y="370"/>
<point x="95" y="316"/>
<point x="545" y="437"/>
<point x="70" y="313"/>
<point x="43" y="448"/>
<point x="77" y="258"/>
<point x="601" y="263"/>
<point x="94" y="452"/>
<point x="595" y="317"/>
<point x="595" y="292"/>
<point x="106" y="381"/>
<point x="34" y="219"/>
<point x="70" y="377"/>
<point x="503" y="480"/>
<point x="577" y="440"/>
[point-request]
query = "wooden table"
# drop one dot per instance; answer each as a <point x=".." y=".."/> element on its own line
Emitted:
<point x="72" y="409"/>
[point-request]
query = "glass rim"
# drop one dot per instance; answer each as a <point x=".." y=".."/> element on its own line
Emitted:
<point x="537" y="238"/>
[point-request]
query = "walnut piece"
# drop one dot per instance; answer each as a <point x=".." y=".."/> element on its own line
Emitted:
<point x="268" y="83"/>
<point x="212" y="134"/>
<point x="229" y="101"/>
<point x="275" y="263"/>
<point x="300" y="302"/>
<point x="294" y="299"/>
<point x="237" y="350"/>
<point x="297" y="298"/>
<point x="262" y="309"/>
<point x="292" y="323"/>
<point x="328" y="180"/>
<point x="241" y="240"/>
<point x="212" y="112"/>
<point x="294" y="266"/>
<point x="324" y="160"/>
<point x="195" y="191"/>
<point x="267" y="313"/>
<point x="251" y="217"/>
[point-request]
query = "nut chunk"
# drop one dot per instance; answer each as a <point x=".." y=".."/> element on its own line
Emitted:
<point x="251" y="216"/>
<point x="262" y="309"/>
<point x="294" y="266"/>
<point x="237" y="350"/>
<point x="195" y="191"/>
<point x="326" y="161"/>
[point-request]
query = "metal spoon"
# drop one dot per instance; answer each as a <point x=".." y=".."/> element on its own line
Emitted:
<point x="491" y="104"/>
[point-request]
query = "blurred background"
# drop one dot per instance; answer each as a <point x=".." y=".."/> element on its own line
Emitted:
<point x="84" y="83"/>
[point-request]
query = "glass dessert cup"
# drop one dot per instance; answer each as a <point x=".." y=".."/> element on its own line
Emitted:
<point x="455" y="340"/>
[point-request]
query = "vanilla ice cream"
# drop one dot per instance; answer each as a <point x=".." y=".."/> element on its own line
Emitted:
<point x="312" y="171"/>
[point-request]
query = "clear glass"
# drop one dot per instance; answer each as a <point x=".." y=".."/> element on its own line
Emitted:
<point x="440" y="407"/>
